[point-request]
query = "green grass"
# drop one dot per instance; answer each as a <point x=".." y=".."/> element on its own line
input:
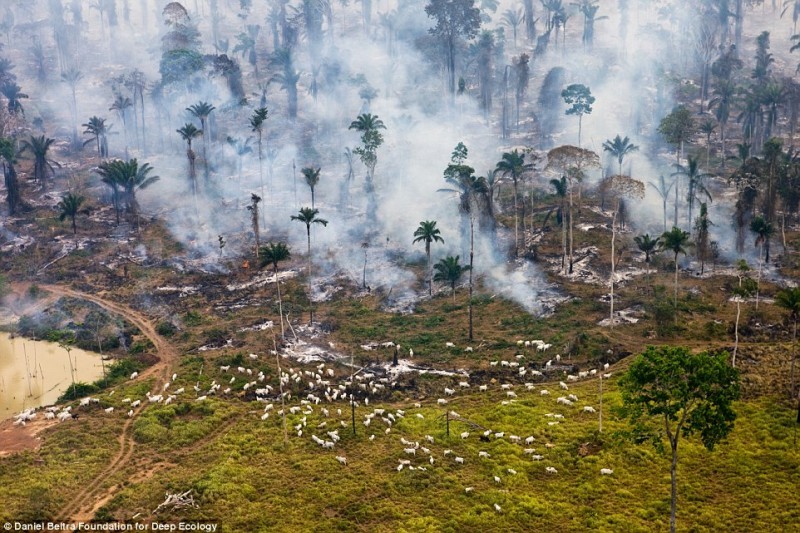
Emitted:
<point x="244" y="477"/>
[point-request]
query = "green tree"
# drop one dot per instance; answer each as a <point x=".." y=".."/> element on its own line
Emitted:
<point x="201" y="110"/>
<point x="675" y="241"/>
<point x="13" y="94"/>
<point x="97" y="129"/>
<point x="448" y="270"/>
<point x="247" y="45"/>
<point x="696" y="182"/>
<point x="70" y="207"/>
<point x="764" y="231"/>
<point x="724" y="94"/>
<point x="308" y="216"/>
<point x="8" y="157"/>
<point x="513" y="18"/>
<point x="311" y="176"/>
<point x="677" y="128"/>
<point x="189" y="132"/>
<point x="702" y="241"/>
<point x="512" y="164"/>
<point x="369" y="126"/>
<point x="42" y="164"/>
<point x="619" y="148"/>
<point x="668" y="392"/>
<point x="126" y="178"/>
<point x="72" y="77"/>
<point x="272" y="254"/>
<point x="789" y="299"/>
<point x="454" y="19"/>
<point x="121" y="105"/>
<point x="707" y="128"/>
<point x="428" y="233"/>
<point x="648" y="246"/>
<point x="579" y="98"/>
<point x="282" y="61"/>
<point x="257" y="120"/>
<point x="663" y="191"/>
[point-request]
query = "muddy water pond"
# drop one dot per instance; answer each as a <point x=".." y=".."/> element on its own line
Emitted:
<point x="36" y="373"/>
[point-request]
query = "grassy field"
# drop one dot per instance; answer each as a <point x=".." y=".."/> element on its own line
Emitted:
<point x="244" y="476"/>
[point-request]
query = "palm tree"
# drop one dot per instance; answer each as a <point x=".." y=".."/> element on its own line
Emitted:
<point x="619" y="148"/>
<point x="560" y="189"/>
<point x="241" y="148"/>
<point x="201" y="110"/>
<point x="71" y="77"/>
<point x="695" y="178"/>
<point x="8" y="155"/>
<point x="13" y="94"/>
<point x="121" y="106"/>
<point x="724" y="95"/>
<point x="675" y="241"/>
<point x="97" y="129"/>
<point x="513" y="164"/>
<point x="707" y="127"/>
<point x="663" y="192"/>
<point x="187" y="133"/>
<point x="473" y="195"/>
<point x="126" y="178"/>
<point x="38" y="147"/>
<point x="311" y="176"/>
<point x="70" y="207"/>
<point x="763" y="231"/>
<point x="247" y="45"/>
<point x="513" y="18"/>
<point x="789" y="299"/>
<point x="257" y="127"/>
<point x="648" y="246"/>
<point x="272" y="254"/>
<point x="428" y="233"/>
<point x="369" y="126"/>
<point x="448" y="270"/>
<point x="282" y="61"/>
<point x="308" y="216"/>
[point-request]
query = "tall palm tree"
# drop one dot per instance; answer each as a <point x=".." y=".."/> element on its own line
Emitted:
<point x="201" y="110"/>
<point x="764" y="231"/>
<point x="257" y="120"/>
<point x="272" y="254"/>
<point x="311" y="175"/>
<point x="648" y="246"/>
<point x="241" y="147"/>
<point x="707" y="127"/>
<point x="13" y="94"/>
<point x="71" y="77"/>
<point x="724" y="95"/>
<point x="513" y="18"/>
<point x="513" y="165"/>
<point x="663" y="191"/>
<point x="696" y="185"/>
<point x="449" y="271"/>
<point x="247" y="45"/>
<point x="428" y="233"/>
<point x="121" y="105"/>
<point x="560" y="188"/>
<point x="188" y="132"/>
<point x="369" y="126"/>
<point x="676" y="241"/>
<point x="287" y="76"/>
<point x="619" y="148"/>
<point x="42" y="164"/>
<point x="70" y="207"/>
<point x="473" y="197"/>
<point x="308" y="216"/>
<point x="8" y="155"/>
<point x="789" y="299"/>
<point x="97" y="129"/>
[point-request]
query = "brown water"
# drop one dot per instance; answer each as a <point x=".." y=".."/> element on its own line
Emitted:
<point x="36" y="373"/>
